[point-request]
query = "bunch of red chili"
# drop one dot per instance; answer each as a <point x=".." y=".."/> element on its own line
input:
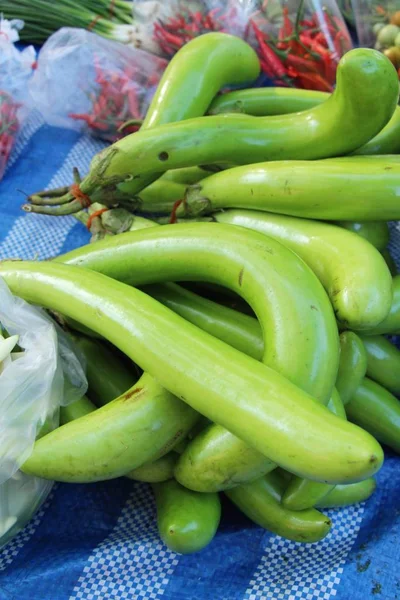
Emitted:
<point x="120" y="96"/>
<point x="176" y="31"/>
<point x="9" y="127"/>
<point x="305" y="52"/>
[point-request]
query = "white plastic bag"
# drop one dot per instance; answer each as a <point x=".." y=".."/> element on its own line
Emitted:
<point x="15" y="70"/>
<point x="83" y="80"/>
<point x="33" y="385"/>
<point x="164" y="27"/>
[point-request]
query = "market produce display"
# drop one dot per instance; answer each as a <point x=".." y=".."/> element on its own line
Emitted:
<point x="274" y="203"/>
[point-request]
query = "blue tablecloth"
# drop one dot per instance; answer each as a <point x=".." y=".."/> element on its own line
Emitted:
<point x="100" y="541"/>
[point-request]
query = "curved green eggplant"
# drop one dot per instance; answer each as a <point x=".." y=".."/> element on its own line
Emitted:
<point x="383" y="362"/>
<point x="377" y="411"/>
<point x="247" y="397"/>
<point x="196" y="74"/>
<point x="261" y="102"/>
<point x="354" y="188"/>
<point x="161" y="469"/>
<point x="261" y="502"/>
<point x="187" y="521"/>
<point x="139" y="426"/>
<point x="352" y="271"/>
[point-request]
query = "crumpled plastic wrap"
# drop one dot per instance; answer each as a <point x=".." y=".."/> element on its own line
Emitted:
<point x="33" y="385"/>
<point x="16" y="68"/>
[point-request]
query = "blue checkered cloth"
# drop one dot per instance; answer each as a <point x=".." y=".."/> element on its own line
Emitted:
<point x="100" y="541"/>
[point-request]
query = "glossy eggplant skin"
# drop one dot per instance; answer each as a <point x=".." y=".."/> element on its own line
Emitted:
<point x="187" y="521"/>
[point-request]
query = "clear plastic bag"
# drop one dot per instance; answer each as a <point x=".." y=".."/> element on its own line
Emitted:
<point x="15" y="70"/>
<point x="83" y="81"/>
<point x="378" y="25"/>
<point x="164" y="27"/>
<point x="299" y="43"/>
<point x="33" y="385"/>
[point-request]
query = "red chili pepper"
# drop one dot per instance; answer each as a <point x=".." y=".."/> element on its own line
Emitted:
<point x="287" y="24"/>
<point x="292" y="72"/>
<point x="301" y="63"/>
<point x="172" y="38"/>
<point x="265" y="67"/>
<point x="268" y="55"/>
<point x="315" y="81"/>
<point x="320" y="38"/>
<point x="307" y="23"/>
<point x="9" y="127"/>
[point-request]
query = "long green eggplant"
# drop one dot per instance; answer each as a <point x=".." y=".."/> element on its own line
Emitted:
<point x="247" y="397"/>
<point x="160" y="469"/>
<point x="261" y="102"/>
<point x="377" y="411"/>
<point x="383" y="362"/>
<point x="139" y="426"/>
<point x="261" y="502"/>
<point x="352" y="271"/>
<point x="353" y="188"/>
<point x="187" y="521"/>
<point x="364" y="100"/>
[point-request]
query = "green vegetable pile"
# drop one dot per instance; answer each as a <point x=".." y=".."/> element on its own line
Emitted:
<point x="266" y="375"/>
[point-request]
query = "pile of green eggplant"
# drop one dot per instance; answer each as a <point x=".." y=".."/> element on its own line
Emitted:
<point x="241" y="266"/>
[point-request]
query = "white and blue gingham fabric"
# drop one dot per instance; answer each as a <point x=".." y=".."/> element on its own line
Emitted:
<point x="100" y="541"/>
